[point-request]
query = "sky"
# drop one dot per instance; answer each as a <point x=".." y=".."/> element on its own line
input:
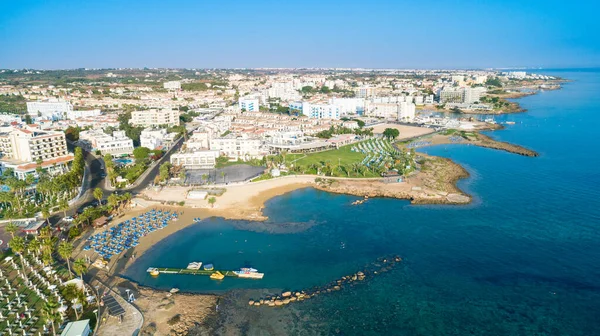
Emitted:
<point x="61" y="34"/>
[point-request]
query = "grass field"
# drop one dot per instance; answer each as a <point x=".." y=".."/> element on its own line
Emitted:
<point x="343" y="156"/>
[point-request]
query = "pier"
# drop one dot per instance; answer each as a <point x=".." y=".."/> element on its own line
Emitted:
<point x="166" y="270"/>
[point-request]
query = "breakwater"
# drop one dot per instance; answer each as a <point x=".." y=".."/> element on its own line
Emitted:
<point x="381" y="265"/>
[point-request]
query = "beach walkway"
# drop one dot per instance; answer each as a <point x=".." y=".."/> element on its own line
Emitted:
<point x="129" y="323"/>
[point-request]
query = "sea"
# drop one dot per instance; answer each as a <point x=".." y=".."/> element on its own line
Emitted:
<point x="522" y="259"/>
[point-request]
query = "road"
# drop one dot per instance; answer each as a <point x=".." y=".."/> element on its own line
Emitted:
<point x="94" y="179"/>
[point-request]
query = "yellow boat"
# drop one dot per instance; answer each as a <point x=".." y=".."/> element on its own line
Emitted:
<point x="153" y="271"/>
<point x="217" y="276"/>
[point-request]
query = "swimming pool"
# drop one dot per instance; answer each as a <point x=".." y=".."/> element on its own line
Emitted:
<point x="123" y="161"/>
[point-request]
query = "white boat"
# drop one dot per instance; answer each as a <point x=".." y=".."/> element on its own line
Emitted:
<point x="249" y="273"/>
<point x="194" y="265"/>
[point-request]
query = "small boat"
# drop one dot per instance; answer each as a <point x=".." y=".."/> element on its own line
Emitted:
<point x="194" y="265"/>
<point x="249" y="273"/>
<point x="209" y="267"/>
<point x="174" y="290"/>
<point x="217" y="276"/>
<point x="510" y="122"/>
<point x="153" y="271"/>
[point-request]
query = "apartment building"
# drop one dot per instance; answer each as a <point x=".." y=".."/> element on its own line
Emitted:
<point x="406" y="111"/>
<point x="467" y="95"/>
<point x="195" y="159"/>
<point x="249" y="104"/>
<point x="22" y="149"/>
<point x="320" y="111"/>
<point x="117" y="144"/>
<point x="72" y="115"/>
<point x="155" y="117"/>
<point x="172" y="85"/>
<point x="49" y="109"/>
<point x="348" y="105"/>
<point x="156" y="138"/>
<point x="238" y="147"/>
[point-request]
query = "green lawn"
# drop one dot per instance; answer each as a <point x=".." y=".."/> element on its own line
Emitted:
<point x="343" y="154"/>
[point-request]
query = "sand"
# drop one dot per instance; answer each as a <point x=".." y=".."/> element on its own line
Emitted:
<point x="406" y="132"/>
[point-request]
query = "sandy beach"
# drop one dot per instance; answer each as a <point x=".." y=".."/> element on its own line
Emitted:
<point x="406" y="132"/>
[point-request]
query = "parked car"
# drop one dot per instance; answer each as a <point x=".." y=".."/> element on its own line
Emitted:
<point x="68" y="219"/>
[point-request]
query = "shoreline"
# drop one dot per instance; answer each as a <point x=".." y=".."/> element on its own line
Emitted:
<point x="434" y="183"/>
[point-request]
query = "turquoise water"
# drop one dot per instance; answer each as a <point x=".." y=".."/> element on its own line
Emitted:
<point x="521" y="260"/>
<point x="123" y="161"/>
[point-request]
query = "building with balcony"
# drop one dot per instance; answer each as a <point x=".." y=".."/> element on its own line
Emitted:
<point x="117" y="144"/>
<point x="24" y="150"/>
<point x="195" y="159"/>
<point x="155" y="117"/>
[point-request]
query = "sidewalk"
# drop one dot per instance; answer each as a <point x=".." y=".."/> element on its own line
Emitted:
<point x="132" y="320"/>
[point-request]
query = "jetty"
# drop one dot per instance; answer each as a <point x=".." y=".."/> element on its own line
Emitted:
<point x="166" y="270"/>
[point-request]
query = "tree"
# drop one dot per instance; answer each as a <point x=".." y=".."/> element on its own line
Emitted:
<point x="212" y="201"/>
<point x="141" y="153"/>
<point x="50" y="312"/>
<point x="79" y="266"/>
<point x="223" y="176"/>
<point x="46" y="214"/>
<point x="18" y="245"/>
<point x="12" y="229"/>
<point x="391" y="133"/>
<point x="63" y="205"/>
<point x="28" y="119"/>
<point x="65" y="249"/>
<point x="98" y="194"/>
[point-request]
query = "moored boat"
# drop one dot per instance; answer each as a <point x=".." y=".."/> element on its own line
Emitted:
<point x="249" y="273"/>
<point x="194" y="265"/>
<point x="217" y="276"/>
<point x="153" y="271"/>
<point x="208" y="267"/>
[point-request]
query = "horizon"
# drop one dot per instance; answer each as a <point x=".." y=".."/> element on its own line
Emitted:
<point x="59" y="35"/>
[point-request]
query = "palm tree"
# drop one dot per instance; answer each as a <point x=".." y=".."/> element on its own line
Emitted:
<point x="223" y="176"/>
<point x="12" y="229"/>
<point x="212" y="201"/>
<point x="98" y="195"/>
<point x="46" y="214"/>
<point x="51" y="314"/>
<point x="18" y="245"/>
<point x="63" y="206"/>
<point x="80" y="266"/>
<point x="112" y="201"/>
<point x="65" y="249"/>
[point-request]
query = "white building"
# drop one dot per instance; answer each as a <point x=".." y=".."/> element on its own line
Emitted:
<point x="21" y="149"/>
<point x="382" y="110"/>
<point x="199" y="159"/>
<point x="406" y="111"/>
<point x="473" y="95"/>
<point x="155" y="138"/>
<point x="238" y="147"/>
<point x="348" y="105"/>
<point x="172" y="85"/>
<point x="116" y="144"/>
<point x="72" y="115"/>
<point x="365" y="92"/>
<point x="155" y="117"/>
<point x="320" y="111"/>
<point x="50" y="109"/>
<point x="249" y="104"/>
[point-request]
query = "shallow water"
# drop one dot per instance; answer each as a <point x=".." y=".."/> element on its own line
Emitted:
<point x="521" y="260"/>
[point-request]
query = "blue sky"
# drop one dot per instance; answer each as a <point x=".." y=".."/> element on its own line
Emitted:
<point x="376" y="33"/>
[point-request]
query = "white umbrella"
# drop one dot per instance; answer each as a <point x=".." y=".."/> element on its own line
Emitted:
<point x="62" y="308"/>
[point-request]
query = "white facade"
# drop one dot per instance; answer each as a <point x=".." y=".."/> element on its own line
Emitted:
<point x="201" y="159"/>
<point x="155" y="117"/>
<point x="249" y="104"/>
<point x="348" y="105"/>
<point x="473" y="95"/>
<point x="320" y="111"/>
<point x="382" y="110"/>
<point x="72" y="115"/>
<point x="116" y="144"/>
<point x="51" y="109"/>
<point x="155" y="138"/>
<point x="21" y="149"/>
<point x="406" y="111"/>
<point x="172" y="85"/>
<point x="238" y="147"/>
